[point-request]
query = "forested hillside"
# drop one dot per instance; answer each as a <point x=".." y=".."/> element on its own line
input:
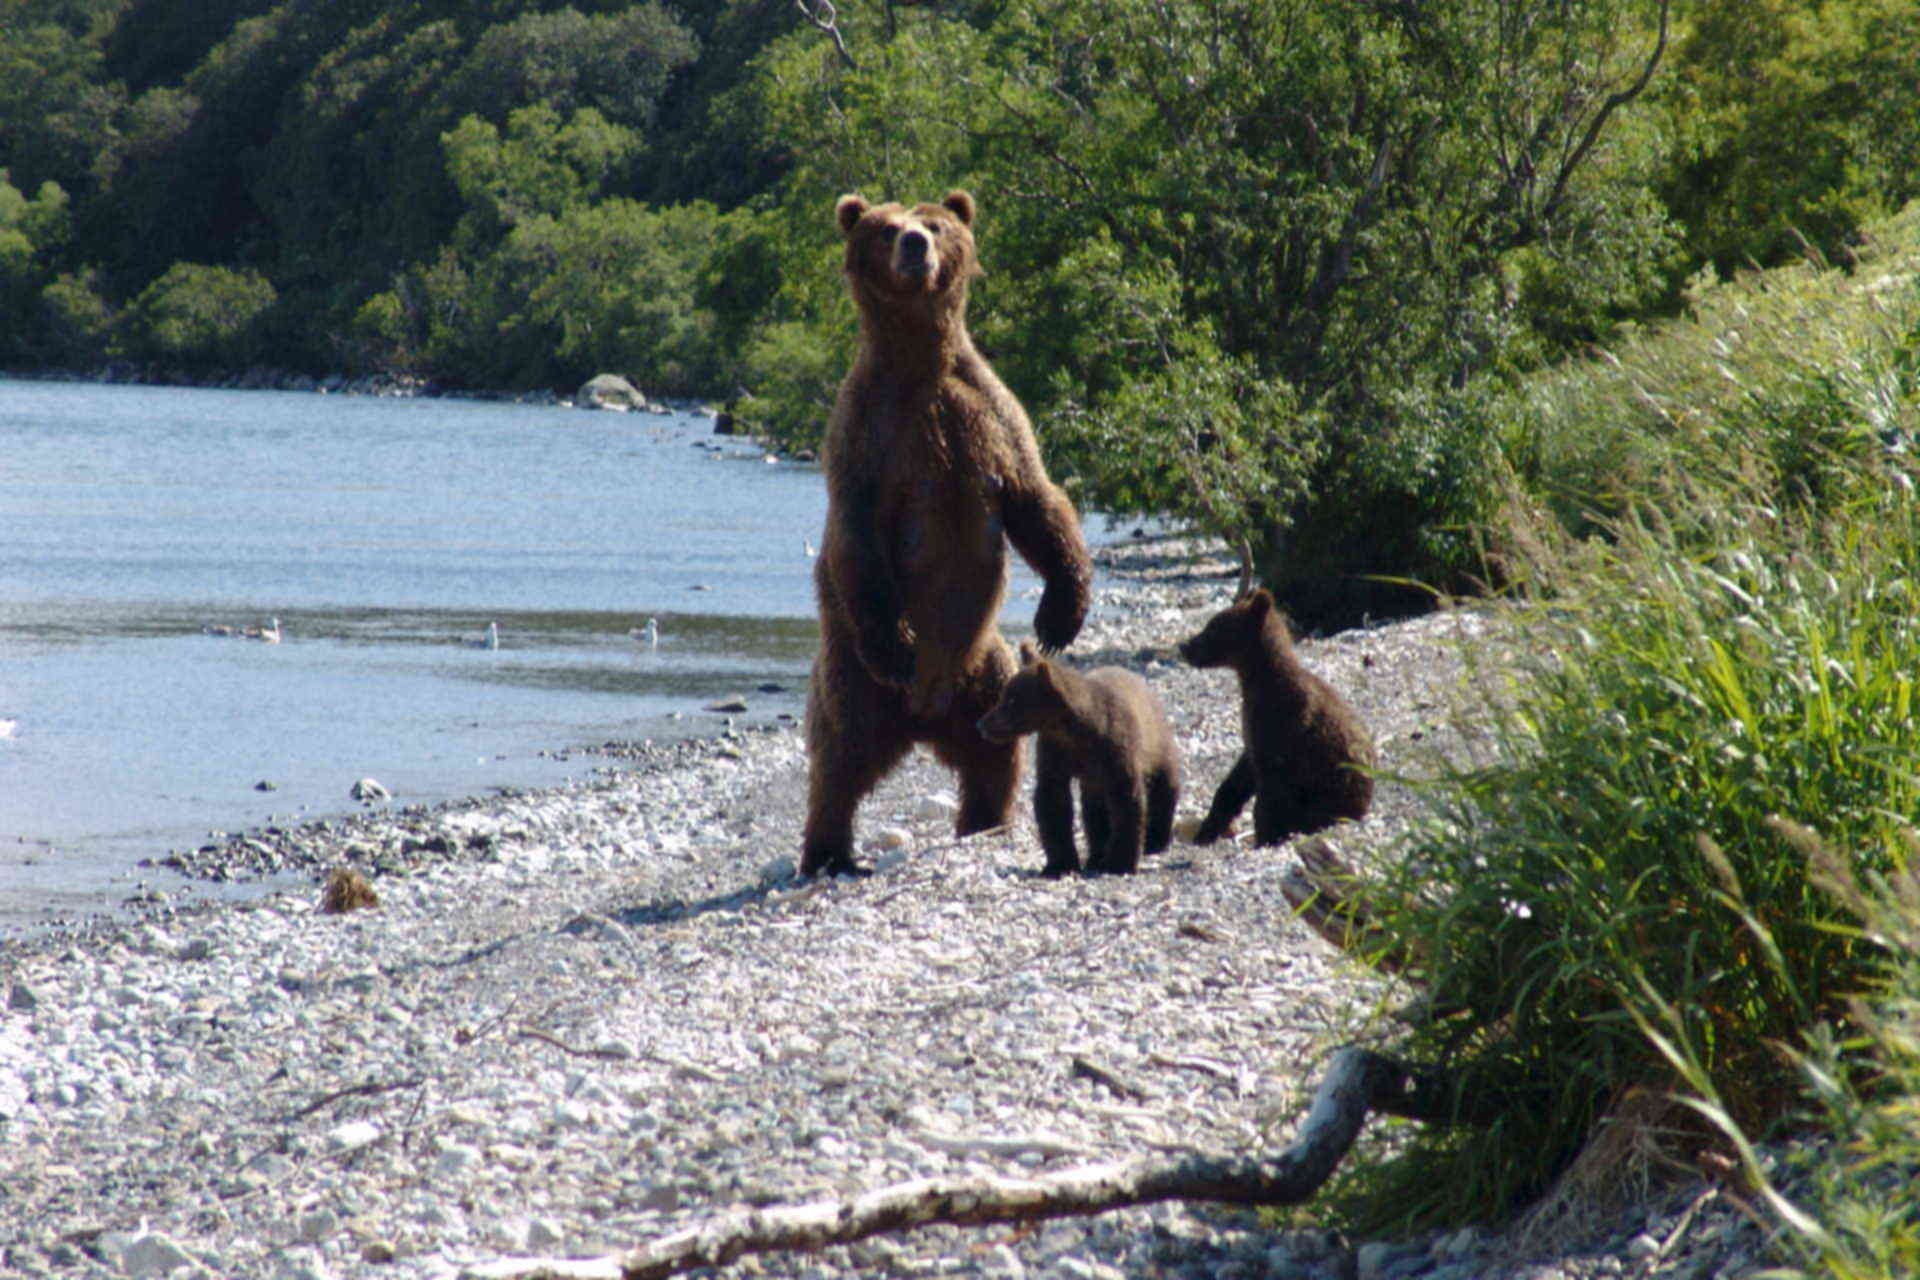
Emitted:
<point x="1268" y="264"/>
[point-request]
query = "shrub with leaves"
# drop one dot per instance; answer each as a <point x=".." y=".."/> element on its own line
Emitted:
<point x="1740" y="651"/>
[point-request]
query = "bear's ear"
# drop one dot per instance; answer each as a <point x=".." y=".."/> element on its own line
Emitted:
<point x="1260" y="602"/>
<point x="1028" y="654"/>
<point x="849" y="210"/>
<point x="960" y="204"/>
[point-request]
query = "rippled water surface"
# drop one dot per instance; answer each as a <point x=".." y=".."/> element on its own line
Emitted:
<point x="384" y="535"/>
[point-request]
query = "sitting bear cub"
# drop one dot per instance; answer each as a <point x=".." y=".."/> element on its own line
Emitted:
<point x="1107" y="729"/>
<point x="1306" y="756"/>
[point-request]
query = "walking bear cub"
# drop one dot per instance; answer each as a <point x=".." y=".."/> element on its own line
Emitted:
<point x="1306" y="756"/>
<point x="1107" y="729"/>
<point x="933" y="474"/>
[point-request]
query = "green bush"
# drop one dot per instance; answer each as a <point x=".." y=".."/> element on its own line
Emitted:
<point x="78" y="323"/>
<point x="1726" y="654"/>
<point x="200" y="318"/>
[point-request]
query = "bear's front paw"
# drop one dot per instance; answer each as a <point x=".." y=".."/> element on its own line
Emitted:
<point x="1057" y="621"/>
<point x="1208" y="832"/>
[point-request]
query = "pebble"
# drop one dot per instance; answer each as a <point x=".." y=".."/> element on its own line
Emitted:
<point x="586" y="1017"/>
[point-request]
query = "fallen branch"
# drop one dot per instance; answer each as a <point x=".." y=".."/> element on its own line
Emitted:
<point x="1359" y="1082"/>
<point x="1329" y="897"/>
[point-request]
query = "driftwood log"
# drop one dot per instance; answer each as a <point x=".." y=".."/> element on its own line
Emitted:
<point x="1359" y="1082"/>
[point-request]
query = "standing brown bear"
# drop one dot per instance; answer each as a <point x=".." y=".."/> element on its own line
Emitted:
<point x="1108" y="730"/>
<point x="1307" y="754"/>
<point x="932" y="469"/>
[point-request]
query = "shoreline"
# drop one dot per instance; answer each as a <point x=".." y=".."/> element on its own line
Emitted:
<point x="584" y="1017"/>
<point x="384" y="385"/>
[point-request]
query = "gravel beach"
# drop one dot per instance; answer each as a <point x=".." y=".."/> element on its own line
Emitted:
<point x="579" y="1019"/>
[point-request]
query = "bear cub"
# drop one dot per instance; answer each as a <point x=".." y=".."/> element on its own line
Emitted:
<point x="1306" y="756"/>
<point x="1107" y="729"/>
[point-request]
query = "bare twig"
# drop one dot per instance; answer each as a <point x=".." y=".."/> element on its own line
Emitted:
<point x="1087" y="1067"/>
<point x="365" y="1088"/>
<point x="618" y="1054"/>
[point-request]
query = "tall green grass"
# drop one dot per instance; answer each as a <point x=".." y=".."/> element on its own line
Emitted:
<point x="1726" y="646"/>
<point x="1851" y="1210"/>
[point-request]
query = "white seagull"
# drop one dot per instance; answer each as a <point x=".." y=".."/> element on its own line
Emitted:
<point x="648" y="635"/>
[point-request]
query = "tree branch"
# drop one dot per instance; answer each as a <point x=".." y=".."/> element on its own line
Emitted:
<point x="823" y="15"/>
<point x="1359" y="1082"/>
<point x="1614" y="102"/>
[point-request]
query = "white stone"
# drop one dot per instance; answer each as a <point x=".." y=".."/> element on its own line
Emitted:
<point x="301" y="1263"/>
<point x="938" y="807"/>
<point x="316" y="1225"/>
<point x="153" y="1254"/>
<point x="353" y="1134"/>
<point x="887" y="840"/>
<point x="455" y="1159"/>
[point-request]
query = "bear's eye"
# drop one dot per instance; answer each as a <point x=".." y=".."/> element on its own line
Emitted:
<point x="889" y="234"/>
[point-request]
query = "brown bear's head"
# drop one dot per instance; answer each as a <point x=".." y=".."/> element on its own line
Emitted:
<point x="1242" y="629"/>
<point x="897" y="256"/>
<point x="1031" y="701"/>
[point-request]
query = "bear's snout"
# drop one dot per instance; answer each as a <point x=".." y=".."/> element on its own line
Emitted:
<point x="910" y="253"/>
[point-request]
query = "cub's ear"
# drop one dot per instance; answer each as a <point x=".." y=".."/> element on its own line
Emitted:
<point x="1261" y="602"/>
<point x="961" y="205"/>
<point x="1028" y="654"/>
<point x="848" y="210"/>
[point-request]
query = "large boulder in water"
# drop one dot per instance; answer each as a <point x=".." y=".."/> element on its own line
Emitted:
<point x="609" y="391"/>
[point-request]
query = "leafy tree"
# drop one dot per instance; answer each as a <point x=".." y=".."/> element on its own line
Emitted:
<point x="78" y="323"/>
<point x="597" y="287"/>
<point x="540" y="166"/>
<point x="31" y="233"/>
<point x="200" y="318"/>
<point x="1799" y="123"/>
<point x="56" y="108"/>
<point x="1336" y="210"/>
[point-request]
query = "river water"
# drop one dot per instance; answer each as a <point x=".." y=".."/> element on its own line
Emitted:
<point x="385" y="535"/>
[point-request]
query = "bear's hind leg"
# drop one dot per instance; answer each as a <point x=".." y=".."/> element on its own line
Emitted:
<point x="1096" y="818"/>
<point x="989" y="780"/>
<point x="1279" y="814"/>
<point x="1163" y="797"/>
<point x="843" y="765"/>
<point x="1126" y="823"/>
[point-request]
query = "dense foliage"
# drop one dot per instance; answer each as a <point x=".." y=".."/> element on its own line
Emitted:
<point x="1262" y="264"/>
<point x="1716" y="690"/>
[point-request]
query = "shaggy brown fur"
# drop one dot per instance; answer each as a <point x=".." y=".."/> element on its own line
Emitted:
<point x="1107" y="730"/>
<point x="932" y="470"/>
<point x="1307" y="754"/>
